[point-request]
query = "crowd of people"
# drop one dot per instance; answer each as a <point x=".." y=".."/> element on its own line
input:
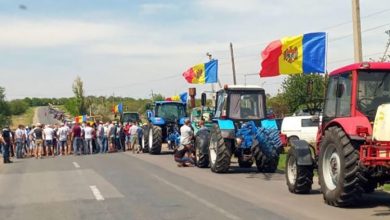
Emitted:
<point x="64" y="139"/>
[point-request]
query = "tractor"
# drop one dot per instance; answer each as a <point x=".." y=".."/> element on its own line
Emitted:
<point x="164" y="126"/>
<point x="130" y="117"/>
<point x="352" y="152"/>
<point x="240" y="128"/>
<point x="201" y="113"/>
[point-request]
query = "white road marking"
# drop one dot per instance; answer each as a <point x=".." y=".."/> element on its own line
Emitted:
<point x="75" y="164"/>
<point x="203" y="201"/>
<point x="96" y="193"/>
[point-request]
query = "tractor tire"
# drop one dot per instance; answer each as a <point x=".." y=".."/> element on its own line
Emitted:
<point x="299" y="178"/>
<point x="267" y="163"/>
<point x="338" y="169"/>
<point x="202" y="141"/>
<point x="145" y="139"/>
<point x="155" y="140"/>
<point x="370" y="186"/>
<point x="245" y="163"/>
<point x="219" y="152"/>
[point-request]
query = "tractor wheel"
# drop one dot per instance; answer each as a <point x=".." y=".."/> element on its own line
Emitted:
<point x="155" y="140"/>
<point x="267" y="163"/>
<point x="370" y="186"/>
<point x="338" y="168"/>
<point x="202" y="141"/>
<point x="299" y="178"/>
<point x="145" y="140"/>
<point x="219" y="153"/>
<point x="245" y="163"/>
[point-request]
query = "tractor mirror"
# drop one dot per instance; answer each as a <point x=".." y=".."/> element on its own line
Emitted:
<point x="203" y="99"/>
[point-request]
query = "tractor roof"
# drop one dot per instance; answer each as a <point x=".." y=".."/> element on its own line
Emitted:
<point x="165" y="102"/>
<point x="242" y="87"/>
<point x="361" y="66"/>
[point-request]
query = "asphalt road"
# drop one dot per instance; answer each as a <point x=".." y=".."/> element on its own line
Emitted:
<point x="43" y="116"/>
<point x="127" y="186"/>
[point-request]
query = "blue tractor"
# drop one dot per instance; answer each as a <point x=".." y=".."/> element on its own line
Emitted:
<point x="164" y="126"/>
<point x="240" y="128"/>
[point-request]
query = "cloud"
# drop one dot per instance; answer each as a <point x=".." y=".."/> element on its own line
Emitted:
<point x="152" y="8"/>
<point x="22" y="33"/>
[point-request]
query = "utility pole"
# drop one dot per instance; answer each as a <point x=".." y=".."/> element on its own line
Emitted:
<point x="233" y="65"/>
<point x="387" y="46"/>
<point x="357" y="35"/>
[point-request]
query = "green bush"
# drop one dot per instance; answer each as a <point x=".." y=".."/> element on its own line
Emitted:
<point x="18" y="107"/>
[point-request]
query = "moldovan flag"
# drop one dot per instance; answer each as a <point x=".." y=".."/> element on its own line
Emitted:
<point x="202" y="73"/>
<point x="295" y="55"/>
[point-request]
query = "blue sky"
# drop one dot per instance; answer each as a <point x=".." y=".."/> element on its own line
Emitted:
<point x="129" y="48"/>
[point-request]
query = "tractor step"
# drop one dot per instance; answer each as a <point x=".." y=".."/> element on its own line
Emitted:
<point x="375" y="154"/>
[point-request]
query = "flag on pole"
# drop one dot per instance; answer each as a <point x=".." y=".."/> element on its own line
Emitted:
<point x="118" y="108"/>
<point x="202" y="73"/>
<point x="178" y="98"/>
<point x="302" y="54"/>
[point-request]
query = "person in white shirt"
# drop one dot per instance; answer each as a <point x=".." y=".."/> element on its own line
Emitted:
<point x="88" y="135"/>
<point x="62" y="134"/>
<point x="48" y="133"/>
<point x="20" y="138"/>
<point x="134" y="137"/>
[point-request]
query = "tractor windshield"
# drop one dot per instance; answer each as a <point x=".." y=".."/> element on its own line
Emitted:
<point x="171" y="111"/>
<point x="130" y="117"/>
<point x="373" y="90"/>
<point x="244" y="106"/>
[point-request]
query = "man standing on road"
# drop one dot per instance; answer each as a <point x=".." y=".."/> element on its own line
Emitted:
<point x="6" y="141"/>
<point x="77" y="141"/>
<point x="184" y="155"/>
<point x="99" y="137"/>
<point x="134" y="137"/>
<point x="20" y="138"/>
<point x="48" y="134"/>
<point x="62" y="135"/>
<point x="88" y="134"/>
<point x="38" y="133"/>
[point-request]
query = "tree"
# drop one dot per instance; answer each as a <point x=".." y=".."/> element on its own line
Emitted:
<point x="304" y="91"/>
<point x="78" y="91"/>
<point x="278" y="105"/>
<point x="18" y="107"/>
<point x="4" y="109"/>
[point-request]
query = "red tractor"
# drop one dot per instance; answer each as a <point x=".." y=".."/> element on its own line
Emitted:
<point x="352" y="153"/>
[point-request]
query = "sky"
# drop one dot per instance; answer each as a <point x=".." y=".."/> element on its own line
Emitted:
<point x="133" y="48"/>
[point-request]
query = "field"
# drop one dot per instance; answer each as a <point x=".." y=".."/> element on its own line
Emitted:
<point x="24" y="119"/>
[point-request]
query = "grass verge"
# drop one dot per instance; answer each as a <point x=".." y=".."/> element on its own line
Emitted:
<point x="24" y="119"/>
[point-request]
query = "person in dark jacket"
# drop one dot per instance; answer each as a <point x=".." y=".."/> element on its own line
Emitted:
<point x="6" y="141"/>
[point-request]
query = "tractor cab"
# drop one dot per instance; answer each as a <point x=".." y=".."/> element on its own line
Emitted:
<point x="240" y="104"/>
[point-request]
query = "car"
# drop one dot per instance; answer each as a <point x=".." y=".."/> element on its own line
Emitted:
<point x="300" y="128"/>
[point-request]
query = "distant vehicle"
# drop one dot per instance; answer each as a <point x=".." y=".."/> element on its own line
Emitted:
<point x="205" y="113"/>
<point x="130" y="117"/>
<point x="300" y="128"/>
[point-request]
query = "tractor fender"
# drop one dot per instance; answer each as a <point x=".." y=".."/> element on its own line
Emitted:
<point x="302" y="150"/>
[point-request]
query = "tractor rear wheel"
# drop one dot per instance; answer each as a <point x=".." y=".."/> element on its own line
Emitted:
<point x="338" y="168"/>
<point x="267" y="163"/>
<point x="299" y="178"/>
<point x="202" y="141"/>
<point x="155" y="140"/>
<point x="219" y="152"/>
<point x="145" y="140"/>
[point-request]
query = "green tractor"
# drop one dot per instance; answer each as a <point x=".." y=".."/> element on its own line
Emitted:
<point x="199" y="113"/>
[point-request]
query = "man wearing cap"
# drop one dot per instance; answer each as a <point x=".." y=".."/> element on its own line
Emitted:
<point x="62" y="134"/>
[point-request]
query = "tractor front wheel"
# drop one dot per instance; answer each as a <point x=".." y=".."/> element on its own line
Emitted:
<point x="219" y="152"/>
<point x="155" y="140"/>
<point x="299" y="178"/>
<point x="339" y="171"/>
<point x="202" y="148"/>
